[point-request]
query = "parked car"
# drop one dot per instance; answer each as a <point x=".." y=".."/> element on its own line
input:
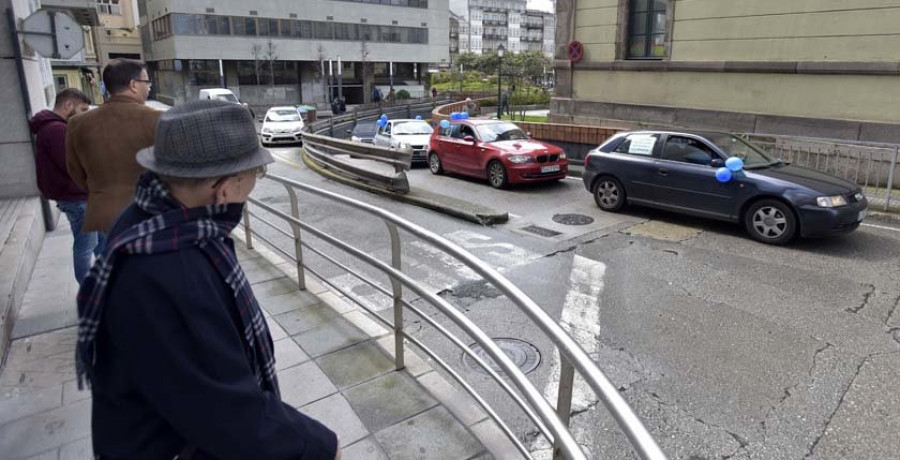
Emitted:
<point x="222" y="94"/>
<point x="363" y="132"/>
<point x="406" y="133"/>
<point x="774" y="200"/>
<point x="282" y="125"/>
<point x="498" y="151"/>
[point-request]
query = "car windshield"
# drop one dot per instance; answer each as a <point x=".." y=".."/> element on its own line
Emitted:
<point x="227" y="98"/>
<point x="283" y="115"/>
<point x="364" y="130"/>
<point x="495" y="132"/>
<point x="734" y="146"/>
<point x="412" y="127"/>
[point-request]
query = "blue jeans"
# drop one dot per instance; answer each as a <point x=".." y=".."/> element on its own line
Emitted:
<point x="85" y="244"/>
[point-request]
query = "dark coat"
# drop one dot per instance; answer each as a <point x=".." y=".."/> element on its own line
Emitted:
<point x="50" y="158"/>
<point x="172" y="369"/>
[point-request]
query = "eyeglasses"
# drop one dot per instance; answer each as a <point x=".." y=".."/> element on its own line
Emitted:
<point x="148" y="82"/>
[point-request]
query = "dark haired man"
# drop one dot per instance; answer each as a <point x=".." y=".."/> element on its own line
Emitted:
<point x="49" y="126"/>
<point x="101" y="145"/>
<point x="170" y="335"/>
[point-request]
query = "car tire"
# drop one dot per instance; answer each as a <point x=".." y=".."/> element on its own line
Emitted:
<point x="434" y="164"/>
<point x="497" y="176"/>
<point x="609" y="194"/>
<point x="771" y="222"/>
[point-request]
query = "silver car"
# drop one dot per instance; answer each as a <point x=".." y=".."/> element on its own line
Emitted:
<point x="398" y="134"/>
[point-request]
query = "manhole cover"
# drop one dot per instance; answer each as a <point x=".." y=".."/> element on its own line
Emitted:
<point x="525" y="356"/>
<point x="541" y="231"/>
<point x="573" y="219"/>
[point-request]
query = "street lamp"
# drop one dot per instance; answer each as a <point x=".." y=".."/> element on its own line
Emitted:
<point x="500" y="51"/>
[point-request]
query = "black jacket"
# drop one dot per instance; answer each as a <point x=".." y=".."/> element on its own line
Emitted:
<point x="171" y="369"/>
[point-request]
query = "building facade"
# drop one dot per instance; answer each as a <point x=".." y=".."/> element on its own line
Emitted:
<point x="82" y="72"/>
<point x="118" y="35"/>
<point x="287" y="52"/>
<point x="484" y="25"/>
<point x="821" y="68"/>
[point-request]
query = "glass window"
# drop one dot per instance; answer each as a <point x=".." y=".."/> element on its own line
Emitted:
<point x="638" y="144"/>
<point x="324" y="30"/>
<point x="244" y="26"/>
<point x="187" y="24"/>
<point x="734" y="146"/>
<point x="687" y="150"/>
<point x="217" y="25"/>
<point x="413" y="127"/>
<point x="496" y="132"/>
<point x="647" y="29"/>
<point x="109" y="7"/>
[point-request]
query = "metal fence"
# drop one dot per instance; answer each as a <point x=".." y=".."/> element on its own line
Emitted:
<point x="872" y="166"/>
<point x="551" y="424"/>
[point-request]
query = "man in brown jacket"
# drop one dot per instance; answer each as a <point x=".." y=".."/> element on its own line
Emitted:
<point x="101" y="144"/>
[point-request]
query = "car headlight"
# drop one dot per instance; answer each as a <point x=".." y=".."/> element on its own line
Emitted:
<point x="859" y="196"/>
<point x="562" y="156"/>
<point x="831" y="201"/>
<point x="519" y="158"/>
<point x="267" y="130"/>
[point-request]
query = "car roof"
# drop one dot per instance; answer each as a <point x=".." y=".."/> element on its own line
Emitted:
<point x="480" y="121"/>
<point x="404" y="120"/>
<point x="287" y="107"/>
<point x="699" y="133"/>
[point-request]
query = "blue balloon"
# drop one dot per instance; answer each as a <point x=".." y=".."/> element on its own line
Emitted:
<point x="380" y="123"/>
<point x="454" y="115"/>
<point x="418" y="117"/>
<point x="734" y="164"/>
<point x="723" y="175"/>
<point x="445" y="124"/>
<point x="384" y="117"/>
<point x="464" y="116"/>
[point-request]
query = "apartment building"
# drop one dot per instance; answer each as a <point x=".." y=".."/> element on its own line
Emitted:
<point x="484" y="25"/>
<point x="287" y="52"/>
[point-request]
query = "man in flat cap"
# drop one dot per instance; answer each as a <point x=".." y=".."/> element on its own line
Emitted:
<point x="170" y="336"/>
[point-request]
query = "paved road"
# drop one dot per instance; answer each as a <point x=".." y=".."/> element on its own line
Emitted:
<point x="725" y="347"/>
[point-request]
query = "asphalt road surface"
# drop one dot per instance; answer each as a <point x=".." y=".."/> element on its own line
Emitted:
<point x="725" y="347"/>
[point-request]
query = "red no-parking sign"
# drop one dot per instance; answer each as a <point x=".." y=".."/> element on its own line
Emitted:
<point x="575" y="50"/>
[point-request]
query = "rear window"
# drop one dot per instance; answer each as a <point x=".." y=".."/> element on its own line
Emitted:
<point x="638" y="144"/>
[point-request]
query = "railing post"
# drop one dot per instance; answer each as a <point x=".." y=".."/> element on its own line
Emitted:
<point x="248" y="235"/>
<point x="890" y="181"/>
<point x="408" y="111"/>
<point x="397" y="290"/>
<point x="295" y="228"/>
<point x="331" y="126"/>
<point x="564" y="398"/>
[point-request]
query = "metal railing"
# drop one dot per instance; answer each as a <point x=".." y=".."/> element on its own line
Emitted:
<point x="551" y="424"/>
<point x="323" y="149"/>
<point x="872" y="166"/>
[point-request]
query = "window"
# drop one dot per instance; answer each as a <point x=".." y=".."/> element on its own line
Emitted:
<point x="204" y="73"/>
<point x="638" y="144"/>
<point x="217" y="25"/>
<point x="687" y="150"/>
<point x="109" y="7"/>
<point x="62" y="82"/>
<point x="186" y="24"/>
<point x="461" y="131"/>
<point x="647" y="29"/>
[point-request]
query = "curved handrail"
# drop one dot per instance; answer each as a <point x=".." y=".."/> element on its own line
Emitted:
<point x="628" y="421"/>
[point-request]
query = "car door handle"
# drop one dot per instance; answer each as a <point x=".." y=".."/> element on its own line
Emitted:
<point x="663" y="172"/>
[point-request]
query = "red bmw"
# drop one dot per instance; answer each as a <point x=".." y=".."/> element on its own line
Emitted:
<point x="498" y="151"/>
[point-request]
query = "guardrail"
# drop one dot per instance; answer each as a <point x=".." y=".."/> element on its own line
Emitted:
<point x="552" y="425"/>
<point x="872" y="166"/>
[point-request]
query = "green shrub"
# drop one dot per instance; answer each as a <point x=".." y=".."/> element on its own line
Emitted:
<point x="403" y="94"/>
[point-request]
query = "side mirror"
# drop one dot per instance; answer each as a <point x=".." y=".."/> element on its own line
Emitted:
<point x="469" y="139"/>
<point x="349" y="131"/>
<point x="528" y="134"/>
<point x="717" y="163"/>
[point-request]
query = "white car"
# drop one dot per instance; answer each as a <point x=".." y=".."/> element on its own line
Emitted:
<point x="282" y="125"/>
<point x="402" y="133"/>
<point x="222" y="94"/>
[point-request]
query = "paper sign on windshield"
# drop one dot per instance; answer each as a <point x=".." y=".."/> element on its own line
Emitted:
<point x="642" y="144"/>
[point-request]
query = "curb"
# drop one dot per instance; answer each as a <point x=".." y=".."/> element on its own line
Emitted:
<point x="884" y="217"/>
<point x="481" y="215"/>
<point x="458" y="402"/>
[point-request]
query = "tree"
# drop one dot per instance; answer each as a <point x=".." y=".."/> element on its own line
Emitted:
<point x="364" y="60"/>
<point x="271" y="56"/>
<point x="256" y="52"/>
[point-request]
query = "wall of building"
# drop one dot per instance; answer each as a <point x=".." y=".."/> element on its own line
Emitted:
<point x="119" y="34"/>
<point x="825" y="67"/>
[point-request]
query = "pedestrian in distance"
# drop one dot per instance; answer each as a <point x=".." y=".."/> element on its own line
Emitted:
<point x="471" y="107"/>
<point x="171" y="337"/>
<point x="434" y="93"/>
<point x="53" y="180"/>
<point x="376" y="95"/>
<point x="101" y="144"/>
<point x="391" y="95"/>
<point x="504" y="104"/>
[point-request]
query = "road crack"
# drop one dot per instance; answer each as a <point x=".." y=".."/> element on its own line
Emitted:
<point x="818" y="439"/>
<point x="887" y="319"/>
<point x="865" y="302"/>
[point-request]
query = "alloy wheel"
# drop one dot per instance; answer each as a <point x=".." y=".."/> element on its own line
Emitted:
<point x="769" y="222"/>
<point x="608" y="194"/>
<point x="498" y="175"/>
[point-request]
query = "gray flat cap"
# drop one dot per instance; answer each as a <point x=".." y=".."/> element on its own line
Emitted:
<point x="204" y="139"/>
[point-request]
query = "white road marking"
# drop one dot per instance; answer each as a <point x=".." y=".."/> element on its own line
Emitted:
<point x="893" y="229"/>
<point x="514" y="216"/>
<point x="581" y="319"/>
<point x="574" y="178"/>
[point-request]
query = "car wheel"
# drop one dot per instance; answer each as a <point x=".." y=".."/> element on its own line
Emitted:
<point x="609" y="194"/>
<point x="771" y="222"/>
<point x="497" y="175"/>
<point x="434" y="163"/>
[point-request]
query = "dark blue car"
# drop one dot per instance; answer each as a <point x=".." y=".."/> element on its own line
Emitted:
<point x="676" y="171"/>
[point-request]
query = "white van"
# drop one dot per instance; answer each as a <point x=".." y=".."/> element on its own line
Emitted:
<point x="222" y="94"/>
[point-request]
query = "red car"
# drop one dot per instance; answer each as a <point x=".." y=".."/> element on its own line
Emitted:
<point x="498" y="151"/>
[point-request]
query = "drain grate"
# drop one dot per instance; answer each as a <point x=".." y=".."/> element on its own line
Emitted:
<point x="573" y="219"/>
<point x="541" y="231"/>
<point x="525" y="356"/>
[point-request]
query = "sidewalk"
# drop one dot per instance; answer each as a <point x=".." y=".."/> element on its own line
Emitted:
<point x="334" y="363"/>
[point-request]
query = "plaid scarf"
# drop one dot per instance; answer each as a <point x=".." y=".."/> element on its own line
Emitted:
<point x="174" y="227"/>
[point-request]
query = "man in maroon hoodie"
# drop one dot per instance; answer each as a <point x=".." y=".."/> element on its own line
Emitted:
<point x="49" y="126"/>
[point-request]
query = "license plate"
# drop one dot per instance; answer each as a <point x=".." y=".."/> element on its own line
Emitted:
<point x="551" y="168"/>
<point x="863" y="214"/>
